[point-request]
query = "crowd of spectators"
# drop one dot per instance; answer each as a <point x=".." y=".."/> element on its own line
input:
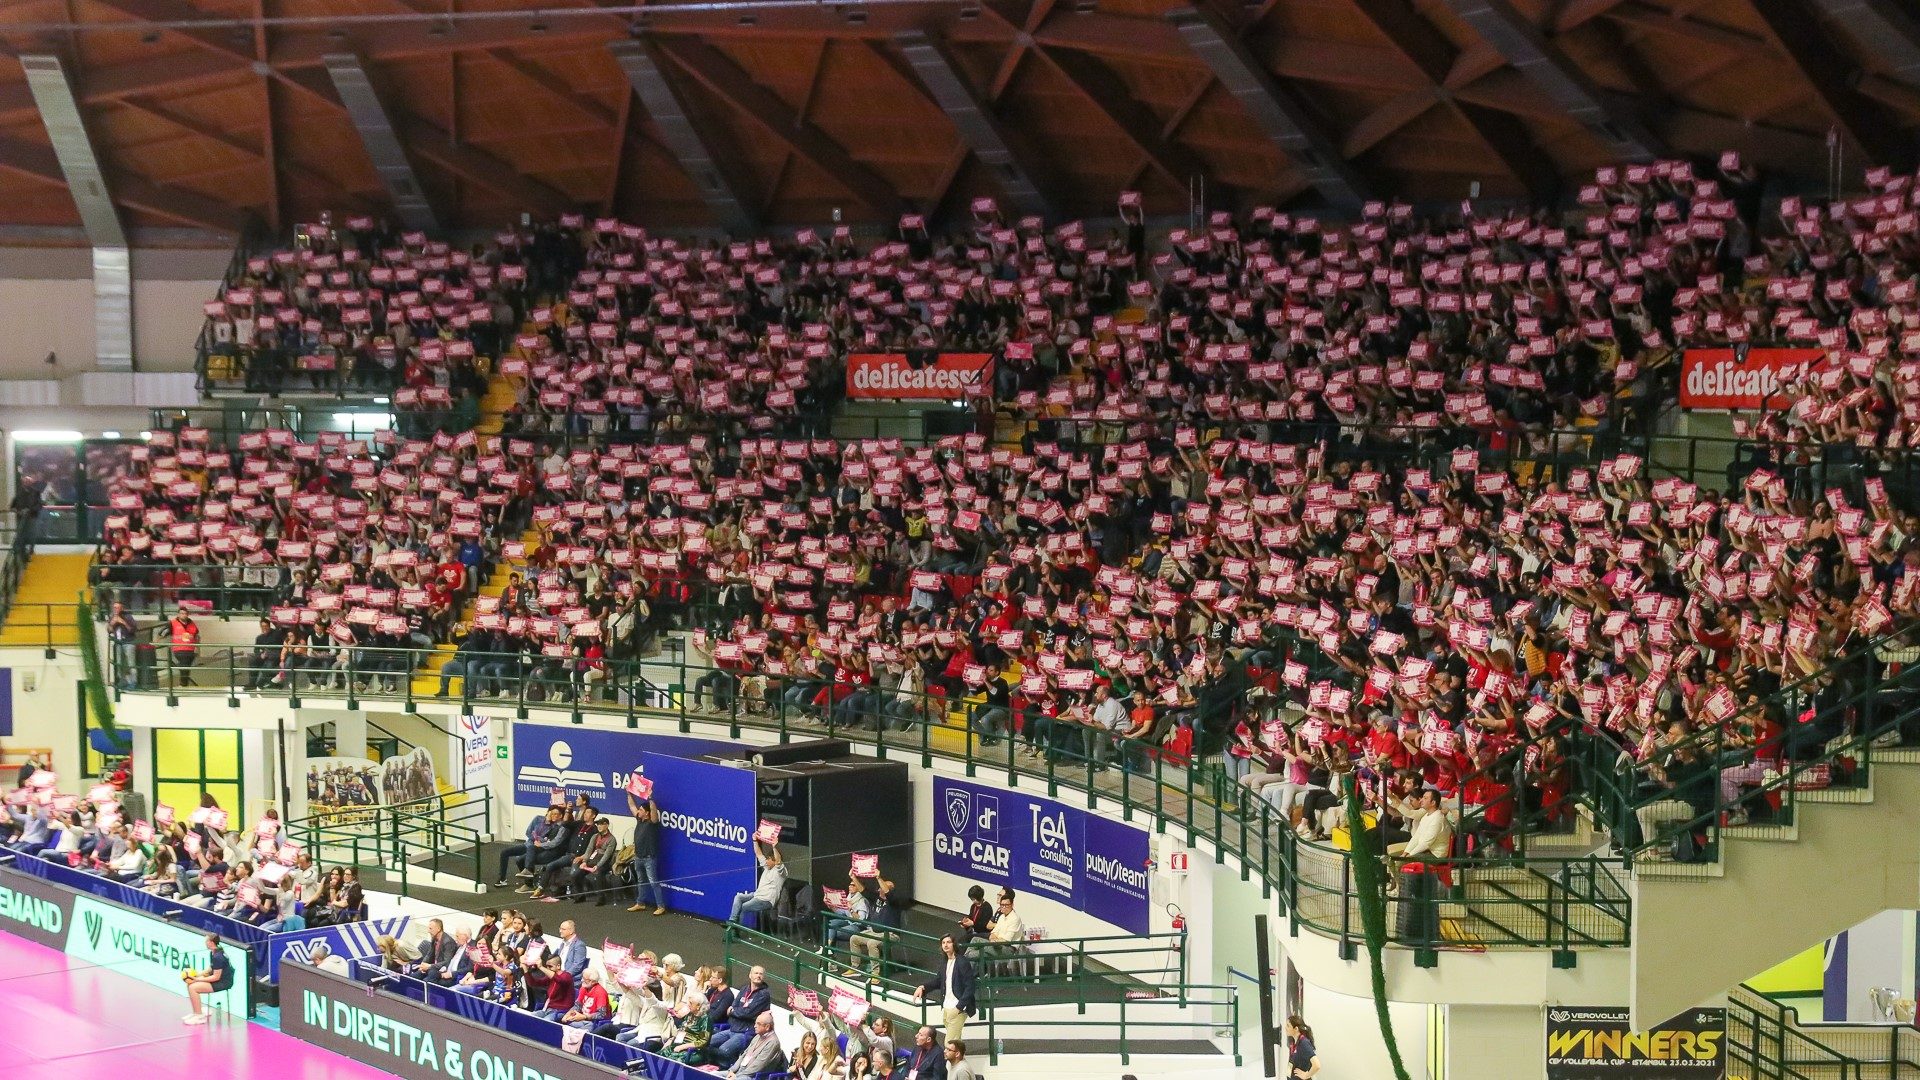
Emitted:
<point x="1312" y="499"/>
<point x="256" y="877"/>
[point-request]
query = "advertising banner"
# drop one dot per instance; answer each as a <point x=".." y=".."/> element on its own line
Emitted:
<point x="344" y="939"/>
<point x="707" y="820"/>
<point x="412" y="1040"/>
<point x="155" y="952"/>
<point x="1043" y="847"/>
<point x="34" y="910"/>
<point x="549" y="758"/>
<point x="345" y="790"/>
<point x="1742" y="379"/>
<point x="476" y="749"/>
<point x="1600" y="1044"/>
<point x="921" y="375"/>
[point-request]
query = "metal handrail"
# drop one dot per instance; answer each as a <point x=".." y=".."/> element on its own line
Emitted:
<point x="792" y="965"/>
<point x="389" y="836"/>
<point x="1583" y="905"/>
<point x="1848" y="696"/>
<point x="1105" y="950"/>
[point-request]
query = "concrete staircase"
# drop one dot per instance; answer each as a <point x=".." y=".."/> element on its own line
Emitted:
<point x="426" y="681"/>
<point x="1766" y="1039"/>
<point x="42" y="611"/>
<point x="1849" y="853"/>
<point x="495" y="403"/>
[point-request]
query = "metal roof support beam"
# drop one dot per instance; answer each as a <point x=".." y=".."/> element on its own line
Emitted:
<point x="1885" y="27"/>
<point x="1285" y="120"/>
<point x="382" y="141"/>
<point x="669" y="112"/>
<point x="1808" y="46"/>
<point x="80" y="165"/>
<point x="1523" y="46"/>
<point x="977" y="126"/>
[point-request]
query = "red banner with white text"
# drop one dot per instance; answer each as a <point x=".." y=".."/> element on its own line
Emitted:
<point x="922" y="375"/>
<point x="1742" y="379"/>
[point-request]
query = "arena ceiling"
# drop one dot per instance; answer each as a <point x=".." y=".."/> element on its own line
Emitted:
<point x="210" y="114"/>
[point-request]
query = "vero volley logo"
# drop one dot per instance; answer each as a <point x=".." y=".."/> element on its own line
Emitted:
<point x="92" y="924"/>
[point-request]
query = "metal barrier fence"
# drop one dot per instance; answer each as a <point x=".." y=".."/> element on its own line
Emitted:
<point x="1769" y="1039"/>
<point x="1183" y="1010"/>
<point x="440" y="834"/>
<point x="1582" y="907"/>
<point x="1834" y="722"/>
<point x="1058" y="961"/>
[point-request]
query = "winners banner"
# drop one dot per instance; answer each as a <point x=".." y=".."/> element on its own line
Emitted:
<point x="920" y="375"/>
<point x="1047" y="848"/>
<point x="1600" y="1044"/>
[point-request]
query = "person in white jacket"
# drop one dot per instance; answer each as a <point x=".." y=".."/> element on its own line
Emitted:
<point x="648" y="1019"/>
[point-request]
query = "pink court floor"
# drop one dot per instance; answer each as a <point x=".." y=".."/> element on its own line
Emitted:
<point x="63" y="1019"/>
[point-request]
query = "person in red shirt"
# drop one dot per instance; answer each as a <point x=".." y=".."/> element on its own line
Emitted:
<point x="556" y="984"/>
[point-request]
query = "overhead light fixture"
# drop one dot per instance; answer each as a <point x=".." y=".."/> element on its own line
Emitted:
<point x="46" y="436"/>
<point x="109" y="434"/>
<point x="969" y="13"/>
<point x="1085" y="7"/>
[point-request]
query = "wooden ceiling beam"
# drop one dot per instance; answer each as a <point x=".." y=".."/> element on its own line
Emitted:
<point x="1426" y="48"/>
<point x="726" y="80"/>
<point x="436" y="145"/>
<point x="1108" y="96"/>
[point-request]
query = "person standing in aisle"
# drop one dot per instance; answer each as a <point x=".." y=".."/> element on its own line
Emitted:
<point x="1303" y="1058"/>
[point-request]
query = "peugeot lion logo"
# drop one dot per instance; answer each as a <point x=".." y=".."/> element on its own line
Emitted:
<point x="90" y="921"/>
<point x="959" y="806"/>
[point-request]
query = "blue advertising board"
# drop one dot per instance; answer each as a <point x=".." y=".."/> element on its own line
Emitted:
<point x="342" y="939"/>
<point x="1043" y="847"/>
<point x="707" y="817"/>
<point x="550" y="757"/>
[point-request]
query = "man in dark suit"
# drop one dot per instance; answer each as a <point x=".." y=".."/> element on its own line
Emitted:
<point x="461" y="965"/>
<point x="436" y="952"/>
<point x="953" y="981"/>
<point x="926" y="1061"/>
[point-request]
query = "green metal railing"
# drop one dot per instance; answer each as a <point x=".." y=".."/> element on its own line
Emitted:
<point x="1565" y="903"/>
<point x="48" y="627"/>
<point x="1834" y="721"/>
<point x="440" y="834"/>
<point x="159" y="588"/>
<point x="1179" y="1011"/>
<point x="1768" y="1039"/>
<point x="1062" y="961"/>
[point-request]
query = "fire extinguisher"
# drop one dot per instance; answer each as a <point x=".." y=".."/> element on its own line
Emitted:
<point x="1179" y="918"/>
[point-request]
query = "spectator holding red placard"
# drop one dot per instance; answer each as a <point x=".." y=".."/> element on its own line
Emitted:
<point x="769" y="890"/>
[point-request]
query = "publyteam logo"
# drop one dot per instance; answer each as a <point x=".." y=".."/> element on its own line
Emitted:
<point x="559" y="774"/>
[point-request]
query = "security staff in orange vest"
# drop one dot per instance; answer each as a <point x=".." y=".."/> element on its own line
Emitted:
<point x="186" y="645"/>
